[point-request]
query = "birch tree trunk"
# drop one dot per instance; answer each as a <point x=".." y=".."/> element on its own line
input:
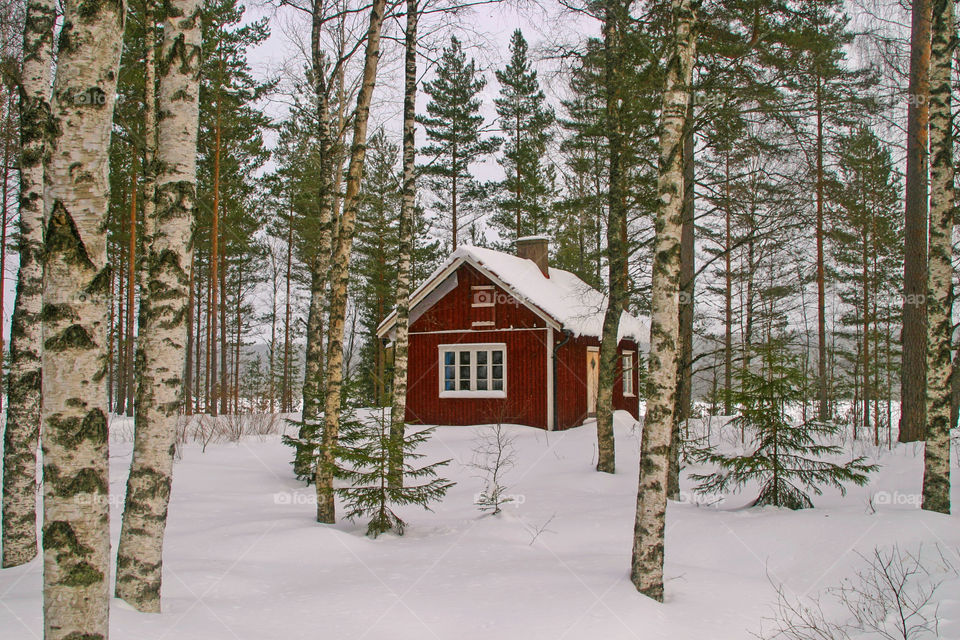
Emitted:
<point x="647" y="564"/>
<point x="687" y="287"/>
<point x="401" y="341"/>
<point x="162" y="354"/>
<point x="76" y="288"/>
<point x="313" y="363"/>
<point x="914" y="336"/>
<point x="340" y="269"/>
<point x="22" y="434"/>
<point x="616" y="14"/>
<point x="936" y="456"/>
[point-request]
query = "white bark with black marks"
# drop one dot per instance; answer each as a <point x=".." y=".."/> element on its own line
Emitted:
<point x="76" y="293"/>
<point x="340" y="270"/>
<point x="936" y="472"/>
<point x="22" y="432"/>
<point x="163" y="310"/>
<point x="646" y="570"/>
<point x="401" y="340"/>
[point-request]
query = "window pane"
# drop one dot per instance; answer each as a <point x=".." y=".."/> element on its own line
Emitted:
<point x="481" y="357"/>
<point x="498" y="371"/>
<point x="481" y="384"/>
<point x="465" y="384"/>
<point x="497" y="384"/>
<point x="497" y="356"/>
<point x="449" y="373"/>
<point x="448" y="357"/>
<point x="464" y="357"/>
<point x="481" y="372"/>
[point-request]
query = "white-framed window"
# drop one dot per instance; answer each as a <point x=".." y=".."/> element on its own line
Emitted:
<point x="627" y="377"/>
<point x="473" y="370"/>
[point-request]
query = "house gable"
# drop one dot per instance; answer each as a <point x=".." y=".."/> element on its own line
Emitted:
<point x="476" y="303"/>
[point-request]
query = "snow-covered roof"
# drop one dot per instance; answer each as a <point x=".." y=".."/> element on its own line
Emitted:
<point x="569" y="301"/>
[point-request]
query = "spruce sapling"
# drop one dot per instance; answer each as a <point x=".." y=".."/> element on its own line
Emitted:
<point x="788" y="454"/>
<point x="363" y="455"/>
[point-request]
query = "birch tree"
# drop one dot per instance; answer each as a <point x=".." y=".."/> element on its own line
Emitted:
<point x="646" y="570"/>
<point x="401" y="340"/>
<point x="163" y="335"/>
<point x="936" y="454"/>
<point x="327" y="76"/>
<point x="340" y="269"/>
<point x="76" y="283"/>
<point x="21" y="436"/>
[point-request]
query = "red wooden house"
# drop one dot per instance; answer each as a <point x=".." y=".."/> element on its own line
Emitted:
<point x="502" y="338"/>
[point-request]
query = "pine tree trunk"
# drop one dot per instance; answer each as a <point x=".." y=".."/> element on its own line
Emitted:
<point x="188" y="367"/>
<point x="340" y="268"/>
<point x="213" y="307"/>
<point x="199" y="392"/>
<point x="616" y="14"/>
<point x="223" y="389"/>
<point x="286" y="400"/>
<point x="237" y="345"/>
<point x="936" y="457"/>
<point x="913" y="372"/>
<point x="401" y="342"/>
<point x="727" y="299"/>
<point x="163" y="339"/>
<point x="76" y="280"/>
<point x="648" y="546"/>
<point x="822" y="401"/>
<point x="131" y="283"/>
<point x="22" y="433"/>
<point x="687" y="275"/>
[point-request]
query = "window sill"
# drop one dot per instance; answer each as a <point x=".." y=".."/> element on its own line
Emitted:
<point x="629" y="395"/>
<point x="473" y="394"/>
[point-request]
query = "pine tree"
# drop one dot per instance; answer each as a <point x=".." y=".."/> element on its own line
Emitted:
<point x="787" y="457"/>
<point x="581" y="212"/>
<point x="76" y="280"/>
<point x="22" y="432"/>
<point x="364" y="453"/>
<point x="828" y="95"/>
<point x="913" y="372"/>
<point x="453" y="125"/>
<point x="525" y="206"/>
<point x="866" y="239"/>
<point x="375" y="269"/>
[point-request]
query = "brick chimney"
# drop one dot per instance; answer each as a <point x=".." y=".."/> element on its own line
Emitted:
<point x="534" y="248"/>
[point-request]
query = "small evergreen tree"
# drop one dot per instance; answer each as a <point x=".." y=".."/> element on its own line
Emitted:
<point x="363" y="454"/>
<point x="527" y="189"/>
<point x="788" y="455"/>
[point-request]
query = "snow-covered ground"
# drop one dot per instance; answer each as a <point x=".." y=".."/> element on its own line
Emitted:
<point x="245" y="559"/>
